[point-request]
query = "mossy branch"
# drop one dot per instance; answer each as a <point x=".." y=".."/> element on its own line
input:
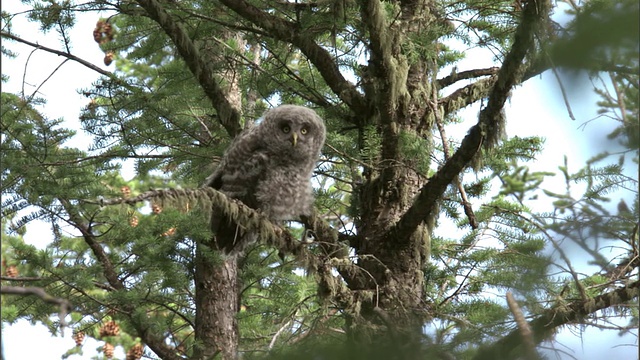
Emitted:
<point x="237" y="212"/>
<point x="487" y="130"/>
<point x="199" y="66"/>
<point x="464" y="75"/>
<point x="546" y="324"/>
<point x="466" y="95"/>
<point x="480" y="89"/>
<point x="254" y="222"/>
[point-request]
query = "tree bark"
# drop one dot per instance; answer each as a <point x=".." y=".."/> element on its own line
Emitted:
<point x="393" y="316"/>
<point x="217" y="292"/>
<point x="216" y="327"/>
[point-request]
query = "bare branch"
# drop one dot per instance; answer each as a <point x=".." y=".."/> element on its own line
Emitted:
<point x="468" y="210"/>
<point x="619" y="98"/>
<point x="59" y="53"/>
<point x="286" y="31"/>
<point x="523" y="326"/>
<point x="65" y="305"/>
<point x="277" y="334"/>
<point x="564" y="93"/>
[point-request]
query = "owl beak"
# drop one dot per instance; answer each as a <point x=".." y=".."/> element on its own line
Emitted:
<point x="294" y="138"/>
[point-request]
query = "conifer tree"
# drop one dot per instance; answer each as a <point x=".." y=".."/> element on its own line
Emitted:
<point x="426" y="244"/>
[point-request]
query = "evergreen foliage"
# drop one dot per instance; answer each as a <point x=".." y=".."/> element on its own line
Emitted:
<point x="418" y="235"/>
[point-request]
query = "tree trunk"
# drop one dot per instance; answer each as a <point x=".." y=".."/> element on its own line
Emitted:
<point x="399" y="95"/>
<point x="395" y="264"/>
<point x="216" y="327"/>
<point x="217" y="292"/>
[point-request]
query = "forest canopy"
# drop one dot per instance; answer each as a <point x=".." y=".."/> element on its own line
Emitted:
<point x="425" y="241"/>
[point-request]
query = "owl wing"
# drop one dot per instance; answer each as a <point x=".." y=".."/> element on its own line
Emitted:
<point x="215" y="179"/>
<point x="237" y="176"/>
<point x="242" y="167"/>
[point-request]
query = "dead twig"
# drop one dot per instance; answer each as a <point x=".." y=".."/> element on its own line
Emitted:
<point x="64" y="304"/>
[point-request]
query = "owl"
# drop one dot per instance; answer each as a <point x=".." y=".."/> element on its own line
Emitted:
<point x="269" y="167"/>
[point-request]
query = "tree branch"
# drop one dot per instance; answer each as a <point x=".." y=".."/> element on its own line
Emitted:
<point x="228" y="115"/>
<point x="140" y="321"/>
<point x="108" y="269"/>
<point x="523" y="326"/>
<point x="286" y="31"/>
<point x="468" y="209"/>
<point x="65" y="305"/>
<point x="269" y="233"/>
<point x="467" y="95"/>
<point x="487" y="128"/>
<point x="545" y="325"/>
<point x="63" y="54"/>
<point x="69" y="56"/>
<point x="251" y="220"/>
<point x="480" y="89"/>
<point x="9" y="278"/>
<point x="463" y="75"/>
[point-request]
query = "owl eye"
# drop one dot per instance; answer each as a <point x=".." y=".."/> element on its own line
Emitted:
<point x="304" y="131"/>
<point x="285" y="129"/>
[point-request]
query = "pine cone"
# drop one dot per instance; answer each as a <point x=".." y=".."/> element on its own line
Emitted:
<point x="97" y="35"/>
<point x="97" y="32"/>
<point x="107" y="29"/>
<point x="157" y="209"/>
<point x="93" y="104"/>
<point x="133" y="221"/>
<point x="136" y="352"/>
<point x="110" y="329"/>
<point x="108" y="350"/>
<point x="103" y="32"/>
<point x="108" y="58"/>
<point x="12" y="271"/>
<point x="170" y="232"/>
<point x="126" y="191"/>
<point x="78" y="337"/>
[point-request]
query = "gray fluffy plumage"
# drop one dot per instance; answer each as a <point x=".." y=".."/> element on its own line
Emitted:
<point x="269" y="167"/>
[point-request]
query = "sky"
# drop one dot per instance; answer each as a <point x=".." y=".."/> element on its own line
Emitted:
<point x="535" y="108"/>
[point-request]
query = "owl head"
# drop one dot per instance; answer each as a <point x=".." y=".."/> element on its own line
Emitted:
<point x="294" y="131"/>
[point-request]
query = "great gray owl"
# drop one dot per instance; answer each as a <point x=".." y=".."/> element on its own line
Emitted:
<point x="269" y="167"/>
